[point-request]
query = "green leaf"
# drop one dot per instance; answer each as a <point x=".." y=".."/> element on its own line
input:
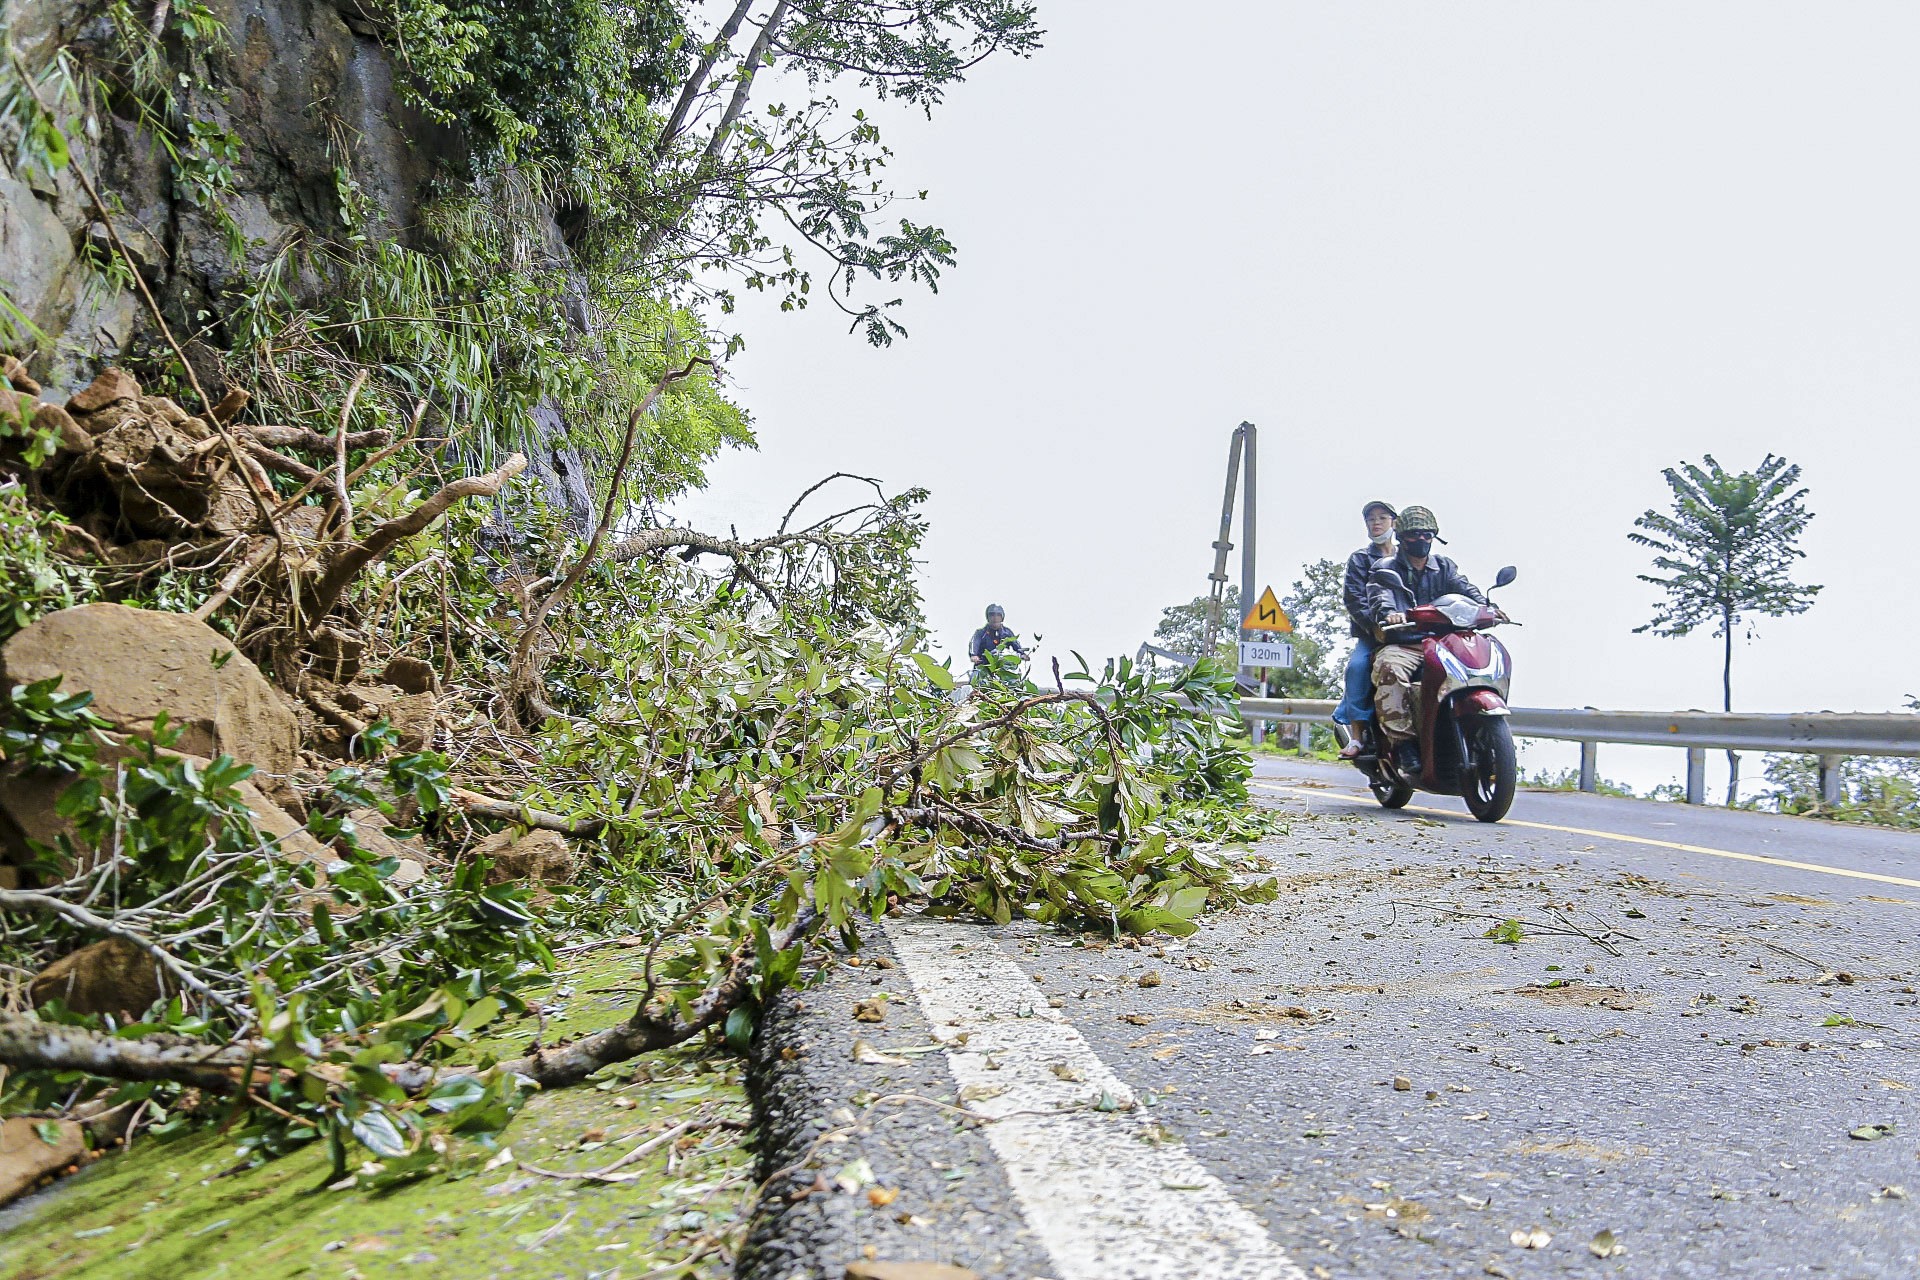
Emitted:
<point x="934" y="671"/>
<point x="376" y="1131"/>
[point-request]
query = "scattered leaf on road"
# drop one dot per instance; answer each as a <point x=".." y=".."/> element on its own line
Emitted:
<point x="863" y="1051"/>
<point x="1604" y="1245"/>
<point x="1534" y="1238"/>
<point x="1871" y="1132"/>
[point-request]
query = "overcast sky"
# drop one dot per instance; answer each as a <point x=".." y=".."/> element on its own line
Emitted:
<point x="1504" y="259"/>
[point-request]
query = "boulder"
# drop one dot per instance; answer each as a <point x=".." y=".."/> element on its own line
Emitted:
<point x="108" y="976"/>
<point x="28" y="814"/>
<point x="414" y="717"/>
<point x="538" y="858"/>
<point x="410" y="674"/>
<point x="14" y="370"/>
<point x="73" y="437"/>
<point x="26" y="1156"/>
<point x="141" y="662"/>
<point x="113" y="384"/>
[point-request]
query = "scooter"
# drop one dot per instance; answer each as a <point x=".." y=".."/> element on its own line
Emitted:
<point x="1464" y="745"/>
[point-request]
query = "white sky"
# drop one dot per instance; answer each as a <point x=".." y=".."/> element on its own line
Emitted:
<point x="1504" y="259"/>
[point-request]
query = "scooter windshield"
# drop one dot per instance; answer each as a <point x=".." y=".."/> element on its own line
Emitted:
<point x="1461" y="611"/>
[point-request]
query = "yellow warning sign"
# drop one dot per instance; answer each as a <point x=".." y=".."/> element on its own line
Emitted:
<point x="1267" y="615"/>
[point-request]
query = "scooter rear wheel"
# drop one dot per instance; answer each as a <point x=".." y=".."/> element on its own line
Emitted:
<point x="1391" y="795"/>
<point x="1492" y="771"/>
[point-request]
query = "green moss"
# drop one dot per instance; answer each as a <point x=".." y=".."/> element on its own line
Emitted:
<point x="187" y="1207"/>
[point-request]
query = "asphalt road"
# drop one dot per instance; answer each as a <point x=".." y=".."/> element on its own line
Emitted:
<point x="1651" y="1040"/>
<point x="1675" y="1048"/>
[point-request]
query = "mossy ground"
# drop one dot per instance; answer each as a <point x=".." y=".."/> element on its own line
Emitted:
<point x="175" y="1207"/>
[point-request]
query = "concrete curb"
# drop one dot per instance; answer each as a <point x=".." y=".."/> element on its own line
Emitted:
<point x="818" y="1114"/>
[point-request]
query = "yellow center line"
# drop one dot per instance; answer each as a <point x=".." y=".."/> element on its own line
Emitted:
<point x="1615" y="835"/>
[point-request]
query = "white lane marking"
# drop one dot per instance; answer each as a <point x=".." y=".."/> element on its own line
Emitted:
<point x="1789" y="863"/>
<point x="1106" y="1204"/>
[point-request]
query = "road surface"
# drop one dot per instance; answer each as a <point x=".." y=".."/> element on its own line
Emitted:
<point x="1699" y="1034"/>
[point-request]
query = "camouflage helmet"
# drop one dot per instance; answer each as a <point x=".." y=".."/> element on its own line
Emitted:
<point x="1419" y="520"/>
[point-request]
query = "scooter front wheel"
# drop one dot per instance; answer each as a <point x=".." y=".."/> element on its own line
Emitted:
<point x="1391" y="795"/>
<point x="1491" y="771"/>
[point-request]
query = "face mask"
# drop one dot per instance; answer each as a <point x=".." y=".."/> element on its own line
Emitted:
<point x="1382" y="538"/>
<point x="1416" y="547"/>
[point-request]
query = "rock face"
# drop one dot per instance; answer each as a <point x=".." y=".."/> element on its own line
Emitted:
<point x="139" y="663"/>
<point x="109" y="976"/>
<point x="282" y="58"/>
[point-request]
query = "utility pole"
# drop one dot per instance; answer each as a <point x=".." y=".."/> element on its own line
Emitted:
<point x="1244" y="450"/>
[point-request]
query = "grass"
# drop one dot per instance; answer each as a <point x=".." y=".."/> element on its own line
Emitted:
<point x="180" y="1207"/>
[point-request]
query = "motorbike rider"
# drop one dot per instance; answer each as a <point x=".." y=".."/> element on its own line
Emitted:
<point x="991" y="638"/>
<point x="1424" y="578"/>
<point x="1356" y="704"/>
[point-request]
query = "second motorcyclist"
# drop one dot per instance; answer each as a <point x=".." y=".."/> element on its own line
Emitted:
<point x="1423" y="578"/>
<point x="1356" y="703"/>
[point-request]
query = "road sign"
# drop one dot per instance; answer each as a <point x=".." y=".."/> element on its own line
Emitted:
<point x="1267" y="615"/>
<point x="1266" y="653"/>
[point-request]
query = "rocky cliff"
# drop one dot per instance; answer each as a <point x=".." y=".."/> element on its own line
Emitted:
<point x="232" y="149"/>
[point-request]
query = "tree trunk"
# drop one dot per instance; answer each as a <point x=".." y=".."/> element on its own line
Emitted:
<point x="1726" y="704"/>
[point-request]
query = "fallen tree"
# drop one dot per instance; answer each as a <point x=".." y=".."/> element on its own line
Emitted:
<point x="734" y="763"/>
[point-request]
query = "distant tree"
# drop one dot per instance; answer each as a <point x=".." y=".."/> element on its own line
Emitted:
<point x="1319" y="618"/>
<point x="1726" y="549"/>
<point x="1183" y="627"/>
<point x="1317" y="606"/>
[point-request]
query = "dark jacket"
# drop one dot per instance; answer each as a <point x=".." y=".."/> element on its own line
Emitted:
<point x="987" y="639"/>
<point x="1359" y="574"/>
<point x="1441" y="577"/>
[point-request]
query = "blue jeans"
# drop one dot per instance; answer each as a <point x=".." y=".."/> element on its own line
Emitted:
<point x="1357" y="706"/>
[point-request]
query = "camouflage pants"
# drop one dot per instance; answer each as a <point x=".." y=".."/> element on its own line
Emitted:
<point x="1394" y="668"/>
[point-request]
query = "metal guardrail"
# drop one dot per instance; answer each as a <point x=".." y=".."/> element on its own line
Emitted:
<point x="1830" y="735"/>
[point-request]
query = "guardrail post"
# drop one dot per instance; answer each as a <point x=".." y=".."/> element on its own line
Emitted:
<point x="1696" y="775"/>
<point x="1830" y="781"/>
<point x="1589" y="766"/>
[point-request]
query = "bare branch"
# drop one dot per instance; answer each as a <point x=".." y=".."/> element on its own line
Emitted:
<point x="348" y="564"/>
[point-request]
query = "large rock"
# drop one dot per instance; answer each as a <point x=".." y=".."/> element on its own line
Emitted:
<point x="108" y="976"/>
<point x="28" y="813"/>
<point x="139" y="663"/>
<point x="26" y="1156"/>
<point x="537" y="859"/>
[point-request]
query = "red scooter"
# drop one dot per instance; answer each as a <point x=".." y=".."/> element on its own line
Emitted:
<point x="1465" y="746"/>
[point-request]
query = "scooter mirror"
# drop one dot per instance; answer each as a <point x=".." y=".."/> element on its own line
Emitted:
<point x="1505" y="576"/>
<point x="1389" y="578"/>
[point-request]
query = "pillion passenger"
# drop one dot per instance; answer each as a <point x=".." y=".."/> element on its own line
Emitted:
<point x="1356" y="702"/>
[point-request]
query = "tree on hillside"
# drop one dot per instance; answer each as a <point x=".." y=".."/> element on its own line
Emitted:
<point x="1318" y="616"/>
<point x="1183" y="627"/>
<point x="1724" y="554"/>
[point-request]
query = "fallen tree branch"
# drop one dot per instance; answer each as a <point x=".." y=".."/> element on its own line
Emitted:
<point x="254" y="561"/>
<point x="27" y="1043"/>
<point x="655" y="1028"/>
<point x="476" y="805"/>
<point x="521" y="673"/>
<point x="348" y="564"/>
